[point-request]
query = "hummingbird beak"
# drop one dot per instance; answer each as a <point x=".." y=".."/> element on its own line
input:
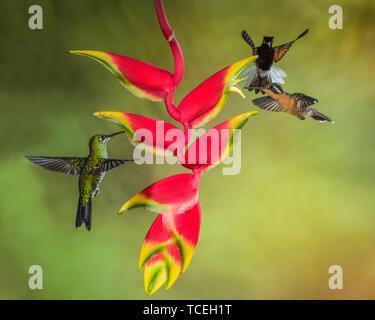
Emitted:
<point x="259" y="88"/>
<point x="114" y="134"/>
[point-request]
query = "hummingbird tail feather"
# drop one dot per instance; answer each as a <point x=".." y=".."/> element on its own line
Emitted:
<point x="79" y="215"/>
<point x="316" y="115"/>
<point x="253" y="79"/>
<point x="249" y="74"/>
<point x="84" y="213"/>
<point x="260" y="82"/>
<point x="88" y="215"/>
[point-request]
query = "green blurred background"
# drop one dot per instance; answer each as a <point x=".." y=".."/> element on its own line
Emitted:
<point x="304" y="198"/>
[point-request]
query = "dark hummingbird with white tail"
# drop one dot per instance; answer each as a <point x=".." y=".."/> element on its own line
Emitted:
<point x="91" y="171"/>
<point x="264" y="73"/>
<point x="296" y="104"/>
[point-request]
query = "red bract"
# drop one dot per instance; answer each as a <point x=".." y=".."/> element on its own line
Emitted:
<point x="215" y="145"/>
<point x="168" y="248"/>
<point x="205" y="101"/>
<point x="142" y="79"/>
<point x="174" y="194"/>
<point x="155" y="135"/>
<point x="171" y="241"/>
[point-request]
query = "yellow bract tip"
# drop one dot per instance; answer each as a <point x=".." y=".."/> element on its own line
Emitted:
<point x="123" y="208"/>
<point x="117" y="117"/>
<point x="137" y="200"/>
<point x="155" y="275"/>
<point x="91" y="53"/>
<point x="107" y="114"/>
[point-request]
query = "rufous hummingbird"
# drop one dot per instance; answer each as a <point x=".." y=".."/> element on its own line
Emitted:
<point x="296" y="104"/>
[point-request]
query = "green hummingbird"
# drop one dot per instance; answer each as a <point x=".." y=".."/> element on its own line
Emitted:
<point x="91" y="171"/>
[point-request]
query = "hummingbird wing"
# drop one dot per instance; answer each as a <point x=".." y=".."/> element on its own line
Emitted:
<point x="303" y="100"/>
<point x="109" y="164"/>
<point x="60" y="164"/>
<point x="281" y="50"/>
<point x="248" y="40"/>
<point x="267" y="103"/>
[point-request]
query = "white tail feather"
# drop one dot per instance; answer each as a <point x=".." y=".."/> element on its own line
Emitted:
<point x="250" y="74"/>
<point x="279" y="71"/>
<point x="276" y="74"/>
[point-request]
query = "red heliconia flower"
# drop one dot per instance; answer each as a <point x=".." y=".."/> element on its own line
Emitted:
<point x="171" y="240"/>
<point x="169" y="247"/>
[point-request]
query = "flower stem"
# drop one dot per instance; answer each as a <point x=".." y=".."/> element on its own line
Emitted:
<point x="169" y="102"/>
<point x="173" y="43"/>
<point x="187" y="133"/>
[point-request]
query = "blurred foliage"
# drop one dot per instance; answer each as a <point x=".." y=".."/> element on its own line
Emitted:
<point x="304" y="198"/>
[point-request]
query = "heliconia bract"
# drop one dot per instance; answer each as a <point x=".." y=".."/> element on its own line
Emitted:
<point x="142" y="79"/>
<point x="174" y="195"/>
<point x="215" y="145"/>
<point x="159" y="133"/>
<point x="168" y="248"/>
<point x="205" y="101"/>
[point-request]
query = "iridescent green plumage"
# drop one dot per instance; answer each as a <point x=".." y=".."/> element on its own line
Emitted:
<point x="91" y="172"/>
